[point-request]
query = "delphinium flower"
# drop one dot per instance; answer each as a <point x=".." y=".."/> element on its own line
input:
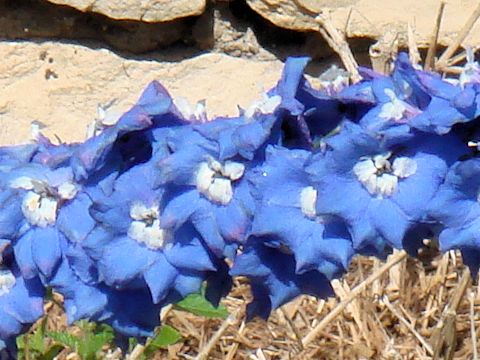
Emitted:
<point x="38" y="228"/>
<point x="21" y="300"/>
<point x="443" y="103"/>
<point x="456" y="207"/>
<point x="291" y="249"/>
<point x="204" y="176"/>
<point x="306" y="113"/>
<point x="131" y="312"/>
<point x="380" y="190"/>
<point x="132" y="249"/>
<point x="117" y="147"/>
<point x="286" y="217"/>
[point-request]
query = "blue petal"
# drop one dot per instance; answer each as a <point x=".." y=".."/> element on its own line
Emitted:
<point x="179" y="209"/>
<point x="74" y="219"/>
<point x="24" y="257"/>
<point x="11" y="215"/>
<point x="8" y="326"/>
<point x="127" y="319"/>
<point x="187" y="252"/>
<point x="46" y="249"/>
<point x="233" y="221"/>
<point x="390" y="222"/>
<point x="24" y="302"/>
<point x="123" y="261"/>
<point x="81" y="301"/>
<point x="160" y="278"/>
<point x="155" y="99"/>
<point x="188" y="283"/>
<point x="205" y="222"/>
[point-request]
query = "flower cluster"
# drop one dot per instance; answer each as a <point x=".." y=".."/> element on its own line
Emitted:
<point x="162" y="202"/>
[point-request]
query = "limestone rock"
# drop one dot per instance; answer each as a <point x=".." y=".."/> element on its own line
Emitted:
<point x="29" y="20"/>
<point x="373" y="18"/>
<point x="61" y="85"/>
<point x="142" y="10"/>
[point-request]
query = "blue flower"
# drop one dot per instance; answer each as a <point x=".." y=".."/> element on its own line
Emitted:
<point x="442" y="104"/>
<point x="286" y="216"/>
<point x="392" y="114"/>
<point x="273" y="278"/>
<point x="204" y="177"/>
<point x="456" y="206"/>
<point x="304" y="112"/>
<point x="409" y="100"/>
<point x="131" y="247"/>
<point x="130" y="141"/>
<point x="381" y="191"/>
<point x="35" y="196"/>
<point x="130" y="312"/>
<point x="21" y="300"/>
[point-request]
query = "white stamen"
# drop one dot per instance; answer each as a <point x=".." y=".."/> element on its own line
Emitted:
<point x="380" y="177"/>
<point x="139" y="211"/>
<point x="404" y="167"/>
<point x="233" y="170"/>
<point x="386" y="184"/>
<point x="220" y="191"/>
<point x="381" y="161"/>
<point x="214" y="180"/>
<point x="146" y="226"/>
<point x="38" y="210"/>
<point x="393" y="110"/>
<point x="67" y="190"/>
<point x="215" y="166"/>
<point x="308" y="199"/>
<point x="7" y="281"/>
<point x="40" y="204"/>
<point x="204" y="177"/>
<point x="364" y="170"/>
<point x="371" y="184"/>
<point x="22" y="182"/>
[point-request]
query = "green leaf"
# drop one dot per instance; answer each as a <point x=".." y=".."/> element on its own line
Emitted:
<point x="52" y="352"/>
<point x="92" y="344"/>
<point x="197" y="304"/>
<point x="33" y="343"/>
<point x="167" y="335"/>
<point x="65" y="339"/>
<point x="36" y="341"/>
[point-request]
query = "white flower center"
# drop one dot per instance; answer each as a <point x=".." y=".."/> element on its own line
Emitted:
<point x="308" y="199"/>
<point x="7" y="281"/>
<point x="214" y="180"/>
<point x="266" y="105"/>
<point x="379" y="176"/>
<point x="145" y="227"/>
<point x="41" y="202"/>
<point x="393" y="110"/>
